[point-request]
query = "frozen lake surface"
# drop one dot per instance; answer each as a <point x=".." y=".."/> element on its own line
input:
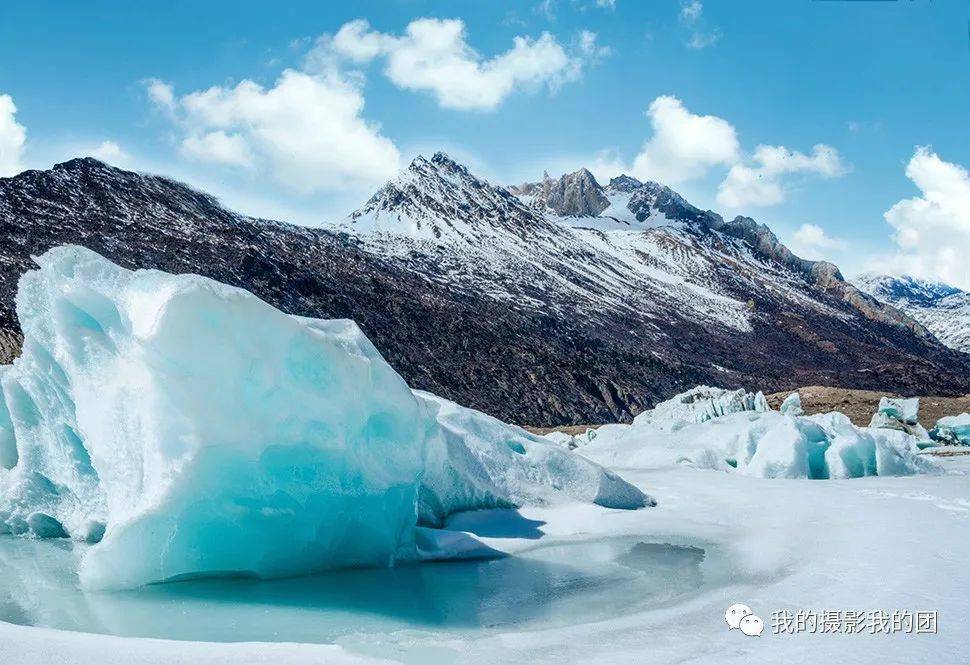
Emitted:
<point x="578" y="588"/>
<point x="543" y="586"/>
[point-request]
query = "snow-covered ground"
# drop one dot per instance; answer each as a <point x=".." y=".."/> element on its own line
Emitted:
<point x="878" y="543"/>
<point x="863" y="544"/>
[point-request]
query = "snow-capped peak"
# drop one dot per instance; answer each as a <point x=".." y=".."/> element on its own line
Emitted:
<point x="440" y="199"/>
<point x="905" y="288"/>
<point x="624" y="183"/>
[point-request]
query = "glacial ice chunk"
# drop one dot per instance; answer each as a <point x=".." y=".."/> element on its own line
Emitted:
<point x="765" y="444"/>
<point x="571" y="441"/>
<point x="792" y="406"/>
<point x="899" y="414"/>
<point x="905" y="410"/>
<point x="190" y="429"/>
<point x="208" y="431"/>
<point x="952" y="430"/>
<point x="699" y="405"/>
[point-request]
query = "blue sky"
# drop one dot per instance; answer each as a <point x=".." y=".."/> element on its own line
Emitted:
<point x="682" y="92"/>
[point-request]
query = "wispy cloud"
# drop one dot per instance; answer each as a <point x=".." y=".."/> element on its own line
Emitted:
<point x="700" y="35"/>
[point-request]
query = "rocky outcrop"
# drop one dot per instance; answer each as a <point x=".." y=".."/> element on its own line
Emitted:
<point x="652" y="196"/>
<point x="574" y="194"/>
<point x="624" y="183"/>
<point x="10" y="341"/>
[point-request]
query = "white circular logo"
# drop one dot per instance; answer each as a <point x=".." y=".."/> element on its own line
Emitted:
<point x="735" y="613"/>
<point x="752" y="626"/>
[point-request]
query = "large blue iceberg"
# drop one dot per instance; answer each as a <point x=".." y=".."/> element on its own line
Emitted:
<point x="187" y="428"/>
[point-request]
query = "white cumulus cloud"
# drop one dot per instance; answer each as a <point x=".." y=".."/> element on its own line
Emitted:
<point x="307" y="130"/>
<point x="813" y="242"/>
<point x="759" y="180"/>
<point x="433" y="56"/>
<point x="110" y="152"/>
<point x="932" y="231"/>
<point x="219" y="147"/>
<point x="684" y="146"/>
<point x="13" y="136"/>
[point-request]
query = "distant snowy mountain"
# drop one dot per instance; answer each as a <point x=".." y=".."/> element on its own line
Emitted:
<point x="943" y="309"/>
<point x="573" y="303"/>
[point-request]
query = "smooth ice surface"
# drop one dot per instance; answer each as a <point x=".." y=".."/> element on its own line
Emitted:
<point x="756" y="442"/>
<point x="547" y="586"/>
<point x="191" y="429"/>
<point x="879" y="543"/>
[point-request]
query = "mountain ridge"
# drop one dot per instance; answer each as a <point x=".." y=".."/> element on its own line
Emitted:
<point x="535" y="321"/>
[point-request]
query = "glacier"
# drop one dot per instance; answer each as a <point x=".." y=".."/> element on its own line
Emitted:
<point x="484" y="462"/>
<point x="186" y="428"/>
<point x="735" y="432"/>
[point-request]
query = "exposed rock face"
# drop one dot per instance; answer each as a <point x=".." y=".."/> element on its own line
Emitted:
<point x="473" y="294"/>
<point x="652" y="196"/>
<point x="572" y="195"/>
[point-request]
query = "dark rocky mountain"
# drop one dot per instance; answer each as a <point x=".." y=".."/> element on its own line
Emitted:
<point x="472" y="294"/>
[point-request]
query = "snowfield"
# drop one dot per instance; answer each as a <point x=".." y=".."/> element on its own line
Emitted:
<point x="161" y="428"/>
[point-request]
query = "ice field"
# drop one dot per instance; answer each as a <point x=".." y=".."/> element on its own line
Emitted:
<point x="188" y="475"/>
